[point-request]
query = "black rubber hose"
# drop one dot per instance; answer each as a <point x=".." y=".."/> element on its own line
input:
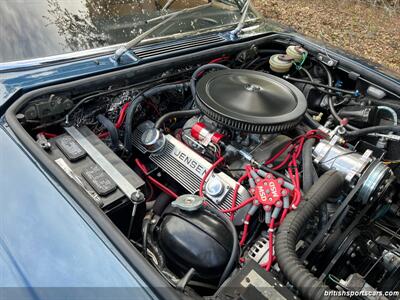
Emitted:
<point x="176" y="114"/>
<point x="138" y="101"/>
<point x="308" y="119"/>
<point x="235" y="244"/>
<point x="92" y="96"/>
<point x="110" y="126"/>
<point x="308" y="167"/>
<point x="384" y="102"/>
<point x="310" y="176"/>
<point x="323" y="215"/>
<point x="157" y="90"/>
<point x="289" y="231"/>
<point x="373" y="129"/>
<point x="145" y="234"/>
<point x="315" y="176"/>
<point x="330" y="99"/>
<point x="270" y="51"/>
<point x="274" y="172"/>
<point x="308" y="74"/>
<point x="160" y="203"/>
<point x="201" y="70"/>
<point x="336" y="115"/>
<point x="354" y="93"/>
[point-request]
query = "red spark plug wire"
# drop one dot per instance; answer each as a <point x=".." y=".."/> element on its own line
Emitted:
<point x="235" y="193"/>
<point x="48" y="135"/>
<point x="158" y="184"/>
<point x="121" y="117"/>
<point x="270" y="244"/>
<point x="204" y="179"/>
<point x="245" y="229"/>
<point x="241" y="205"/>
<point x="215" y="61"/>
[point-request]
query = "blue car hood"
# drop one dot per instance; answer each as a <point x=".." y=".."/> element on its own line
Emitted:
<point x="46" y="244"/>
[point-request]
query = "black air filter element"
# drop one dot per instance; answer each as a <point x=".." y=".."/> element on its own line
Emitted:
<point x="250" y="101"/>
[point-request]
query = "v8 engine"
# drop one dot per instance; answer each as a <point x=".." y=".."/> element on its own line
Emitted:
<point x="253" y="174"/>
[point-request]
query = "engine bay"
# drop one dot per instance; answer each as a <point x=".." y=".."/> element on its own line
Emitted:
<point x="261" y="173"/>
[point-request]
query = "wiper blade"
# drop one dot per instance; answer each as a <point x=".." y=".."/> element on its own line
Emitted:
<point x="170" y="2"/>
<point x="186" y="10"/>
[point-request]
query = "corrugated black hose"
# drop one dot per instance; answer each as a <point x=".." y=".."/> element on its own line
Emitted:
<point x="289" y="231"/>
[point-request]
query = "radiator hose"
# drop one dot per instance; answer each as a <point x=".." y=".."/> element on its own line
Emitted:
<point x="138" y="100"/>
<point x="308" y="167"/>
<point x="235" y="245"/>
<point x="289" y="231"/>
<point x="113" y="131"/>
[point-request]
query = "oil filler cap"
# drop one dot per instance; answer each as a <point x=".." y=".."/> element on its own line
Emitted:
<point x="214" y="187"/>
<point x="153" y="140"/>
<point x="188" y="202"/>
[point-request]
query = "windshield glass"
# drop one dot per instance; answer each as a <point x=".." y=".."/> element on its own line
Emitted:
<point x="39" y="28"/>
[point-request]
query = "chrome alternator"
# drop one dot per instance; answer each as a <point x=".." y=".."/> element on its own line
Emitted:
<point x="378" y="176"/>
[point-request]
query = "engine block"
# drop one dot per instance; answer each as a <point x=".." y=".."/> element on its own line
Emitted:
<point x="188" y="168"/>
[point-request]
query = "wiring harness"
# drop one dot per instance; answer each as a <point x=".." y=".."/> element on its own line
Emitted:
<point x="276" y="195"/>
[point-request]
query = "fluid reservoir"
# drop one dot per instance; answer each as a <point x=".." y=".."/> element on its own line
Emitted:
<point x="191" y="235"/>
<point x="280" y="63"/>
<point x="296" y="52"/>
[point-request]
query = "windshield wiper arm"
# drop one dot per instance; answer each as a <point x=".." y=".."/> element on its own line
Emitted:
<point x="240" y="25"/>
<point x="167" y="5"/>
<point x="165" y="19"/>
<point x="135" y="41"/>
<point x="168" y="17"/>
